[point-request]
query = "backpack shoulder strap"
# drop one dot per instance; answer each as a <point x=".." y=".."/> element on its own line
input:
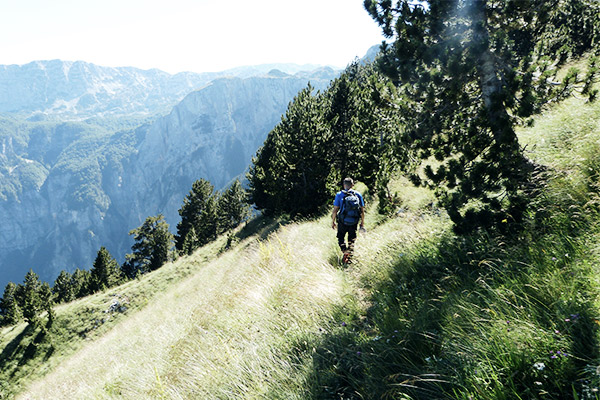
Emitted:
<point x="341" y="210"/>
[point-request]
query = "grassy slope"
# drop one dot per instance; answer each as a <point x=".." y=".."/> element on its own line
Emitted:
<point x="421" y="315"/>
<point x="240" y="324"/>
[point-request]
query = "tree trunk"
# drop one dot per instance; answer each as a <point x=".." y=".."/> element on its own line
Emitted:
<point x="491" y="86"/>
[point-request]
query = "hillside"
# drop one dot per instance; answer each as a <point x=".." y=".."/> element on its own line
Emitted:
<point x="422" y="314"/>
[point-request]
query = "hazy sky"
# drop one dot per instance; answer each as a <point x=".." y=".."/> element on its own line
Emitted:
<point x="186" y="35"/>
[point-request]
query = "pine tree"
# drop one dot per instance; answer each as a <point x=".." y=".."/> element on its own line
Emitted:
<point x="292" y="172"/>
<point x="191" y="242"/>
<point x="63" y="287"/>
<point x="191" y="211"/>
<point x="9" y="306"/>
<point x="469" y="71"/>
<point x="199" y="213"/>
<point x="233" y="208"/>
<point x="366" y="142"/>
<point x="105" y="272"/>
<point x="47" y="303"/>
<point x="30" y="300"/>
<point x="80" y="282"/>
<point x="208" y="221"/>
<point x="152" y="247"/>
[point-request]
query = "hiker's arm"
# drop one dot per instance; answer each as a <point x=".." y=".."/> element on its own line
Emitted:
<point x="362" y="217"/>
<point x="334" y="216"/>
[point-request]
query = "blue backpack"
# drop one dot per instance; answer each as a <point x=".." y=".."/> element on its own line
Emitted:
<point x="350" y="210"/>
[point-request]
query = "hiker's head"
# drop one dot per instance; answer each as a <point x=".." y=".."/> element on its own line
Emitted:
<point x="348" y="183"/>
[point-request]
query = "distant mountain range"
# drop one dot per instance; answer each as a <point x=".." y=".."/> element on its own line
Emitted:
<point x="88" y="152"/>
<point x="78" y="89"/>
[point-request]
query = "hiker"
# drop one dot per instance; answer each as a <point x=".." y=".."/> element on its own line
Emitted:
<point x="348" y="210"/>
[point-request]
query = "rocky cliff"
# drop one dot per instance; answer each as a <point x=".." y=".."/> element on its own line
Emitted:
<point x="68" y="188"/>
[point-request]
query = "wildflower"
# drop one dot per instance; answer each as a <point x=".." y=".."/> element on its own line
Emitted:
<point x="539" y="366"/>
<point x="557" y="331"/>
<point x="554" y="258"/>
<point x="358" y="353"/>
<point x="343" y="324"/>
<point x="553" y="356"/>
<point x="567" y="319"/>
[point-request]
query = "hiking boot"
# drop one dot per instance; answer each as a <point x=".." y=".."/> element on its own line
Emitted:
<point x="346" y="258"/>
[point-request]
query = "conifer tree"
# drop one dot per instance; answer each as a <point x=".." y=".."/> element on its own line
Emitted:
<point x="47" y="303"/>
<point x="9" y="305"/>
<point x="191" y="210"/>
<point x="208" y="223"/>
<point x="80" y="282"/>
<point x="199" y="211"/>
<point x="470" y="70"/>
<point x="232" y="207"/>
<point x="63" y="287"/>
<point x="30" y="300"/>
<point x="292" y="171"/>
<point x="360" y="110"/>
<point x="191" y="242"/>
<point x="105" y="272"/>
<point x="152" y="247"/>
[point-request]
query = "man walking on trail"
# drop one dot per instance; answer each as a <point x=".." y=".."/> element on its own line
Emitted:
<point x="348" y="210"/>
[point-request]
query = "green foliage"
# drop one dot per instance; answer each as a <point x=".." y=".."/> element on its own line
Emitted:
<point x="80" y="282"/>
<point x="10" y="311"/>
<point x="232" y="207"/>
<point x="206" y="214"/>
<point x="197" y="210"/>
<point x="290" y="175"/>
<point x="63" y="287"/>
<point x="30" y="301"/>
<point x="32" y="298"/>
<point x="152" y="247"/>
<point x="68" y="287"/>
<point x="105" y="272"/>
<point x="47" y="301"/>
<point x="349" y="130"/>
<point x="468" y="70"/>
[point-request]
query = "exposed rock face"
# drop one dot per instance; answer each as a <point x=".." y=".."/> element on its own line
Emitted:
<point x="63" y="210"/>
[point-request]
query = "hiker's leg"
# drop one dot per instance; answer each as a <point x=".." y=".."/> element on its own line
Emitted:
<point x="352" y="236"/>
<point x="341" y="233"/>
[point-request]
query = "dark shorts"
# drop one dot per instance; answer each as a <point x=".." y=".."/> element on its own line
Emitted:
<point x="341" y="235"/>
